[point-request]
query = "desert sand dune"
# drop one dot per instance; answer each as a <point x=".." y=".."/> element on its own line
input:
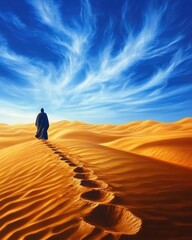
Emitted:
<point x="176" y="150"/>
<point x="84" y="135"/>
<point x="129" y="181"/>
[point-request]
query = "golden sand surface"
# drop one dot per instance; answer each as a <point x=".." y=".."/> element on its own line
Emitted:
<point x="89" y="181"/>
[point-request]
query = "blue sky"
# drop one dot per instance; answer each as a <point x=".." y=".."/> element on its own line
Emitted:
<point x="96" y="61"/>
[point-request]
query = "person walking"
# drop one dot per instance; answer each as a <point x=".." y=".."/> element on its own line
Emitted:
<point x="42" y="124"/>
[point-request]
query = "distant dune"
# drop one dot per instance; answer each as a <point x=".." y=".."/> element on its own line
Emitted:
<point x="170" y="142"/>
<point x="93" y="181"/>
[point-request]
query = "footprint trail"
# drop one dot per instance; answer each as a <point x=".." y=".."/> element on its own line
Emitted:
<point x="108" y="219"/>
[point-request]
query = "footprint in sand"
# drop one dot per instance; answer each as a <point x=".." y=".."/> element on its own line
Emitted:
<point x="72" y="164"/>
<point x="97" y="195"/>
<point x="113" y="219"/>
<point x="64" y="158"/>
<point x="54" y="149"/>
<point x="84" y="176"/>
<point x="67" y="161"/>
<point x="62" y="155"/>
<point x="58" y="152"/>
<point x="93" y="183"/>
<point x="79" y="170"/>
<point x="49" y="145"/>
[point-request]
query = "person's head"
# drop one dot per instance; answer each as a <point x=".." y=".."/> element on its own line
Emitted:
<point x="42" y="110"/>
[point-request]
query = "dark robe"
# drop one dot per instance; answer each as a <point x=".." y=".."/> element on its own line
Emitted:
<point x="42" y="124"/>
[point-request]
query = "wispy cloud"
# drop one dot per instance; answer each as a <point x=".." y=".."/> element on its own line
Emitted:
<point x="88" y="81"/>
<point x="12" y="20"/>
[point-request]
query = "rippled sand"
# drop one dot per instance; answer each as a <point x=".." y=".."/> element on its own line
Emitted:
<point x="129" y="181"/>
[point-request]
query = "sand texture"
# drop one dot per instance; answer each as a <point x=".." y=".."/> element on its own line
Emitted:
<point x="92" y="182"/>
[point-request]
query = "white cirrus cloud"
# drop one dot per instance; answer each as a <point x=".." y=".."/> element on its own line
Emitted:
<point x="88" y="81"/>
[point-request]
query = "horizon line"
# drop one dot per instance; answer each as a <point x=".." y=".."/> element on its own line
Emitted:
<point x="89" y="123"/>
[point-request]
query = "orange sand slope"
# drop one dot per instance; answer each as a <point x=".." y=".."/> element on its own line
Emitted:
<point x="129" y="181"/>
